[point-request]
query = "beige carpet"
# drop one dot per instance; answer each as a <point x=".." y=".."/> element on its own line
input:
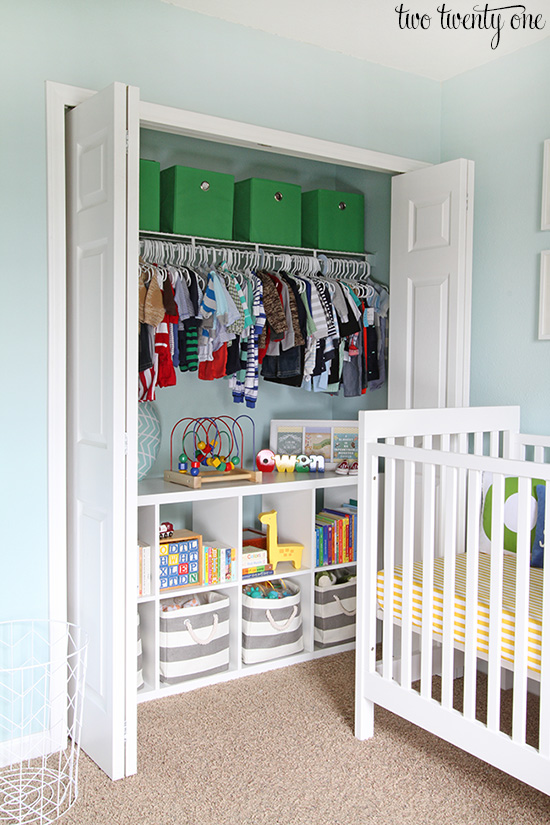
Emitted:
<point x="278" y="749"/>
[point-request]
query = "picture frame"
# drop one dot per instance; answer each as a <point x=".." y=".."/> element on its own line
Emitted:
<point x="334" y="440"/>
<point x="544" y="296"/>
<point x="545" y="211"/>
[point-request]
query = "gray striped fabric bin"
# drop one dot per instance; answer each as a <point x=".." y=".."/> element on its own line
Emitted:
<point x="272" y="627"/>
<point x="194" y="641"/>
<point x="334" y="614"/>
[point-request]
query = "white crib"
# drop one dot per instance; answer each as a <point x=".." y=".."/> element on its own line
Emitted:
<point x="430" y="603"/>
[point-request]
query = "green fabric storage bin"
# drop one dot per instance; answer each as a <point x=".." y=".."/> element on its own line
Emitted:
<point x="149" y="195"/>
<point x="333" y="220"/>
<point x="268" y="212"/>
<point x="196" y="202"/>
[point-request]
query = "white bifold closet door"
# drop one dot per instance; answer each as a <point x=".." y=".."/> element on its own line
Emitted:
<point x="102" y="195"/>
<point x="430" y="287"/>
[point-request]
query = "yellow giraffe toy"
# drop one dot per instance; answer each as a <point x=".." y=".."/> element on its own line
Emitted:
<point x="288" y="551"/>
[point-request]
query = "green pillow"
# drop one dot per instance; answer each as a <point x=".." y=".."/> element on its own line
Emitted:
<point x="510" y="512"/>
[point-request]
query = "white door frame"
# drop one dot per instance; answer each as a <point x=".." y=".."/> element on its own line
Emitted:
<point x="59" y="97"/>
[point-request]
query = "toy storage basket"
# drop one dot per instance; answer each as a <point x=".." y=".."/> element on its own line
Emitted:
<point x="334" y="614"/>
<point x="194" y="641"/>
<point x="42" y="672"/>
<point x="272" y="627"/>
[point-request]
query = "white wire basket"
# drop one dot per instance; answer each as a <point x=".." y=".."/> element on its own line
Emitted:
<point x="42" y="670"/>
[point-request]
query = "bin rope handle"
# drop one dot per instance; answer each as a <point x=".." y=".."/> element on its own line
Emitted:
<point x="210" y="635"/>
<point x="284" y="625"/>
<point x="342" y="608"/>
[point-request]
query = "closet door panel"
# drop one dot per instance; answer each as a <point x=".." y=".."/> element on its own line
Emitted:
<point x="428" y="307"/>
<point x="430" y="287"/>
<point x="96" y="383"/>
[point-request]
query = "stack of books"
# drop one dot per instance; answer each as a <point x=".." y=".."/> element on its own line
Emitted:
<point x="336" y="535"/>
<point x="254" y="563"/>
<point x="219" y="563"/>
<point x="145" y="578"/>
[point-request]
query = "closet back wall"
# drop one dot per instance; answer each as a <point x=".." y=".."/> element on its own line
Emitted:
<point x="177" y="58"/>
<point x="193" y="397"/>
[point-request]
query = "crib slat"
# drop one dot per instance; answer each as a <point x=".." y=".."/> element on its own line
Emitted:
<point x="494" y="443"/>
<point x="462" y="446"/>
<point x="538" y="454"/>
<point x="495" y="604"/>
<point x="389" y="566"/>
<point x="445" y="445"/>
<point x="478" y="443"/>
<point x="449" y="551"/>
<point x="519" y="716"/>
<point x="472" y="580"/>
<point x="544" y="726"/>
<point x="428" y="540"/>
<point x="408" y="552"/>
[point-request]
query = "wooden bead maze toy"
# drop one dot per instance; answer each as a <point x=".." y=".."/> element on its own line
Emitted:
<point x="211" y="451"/>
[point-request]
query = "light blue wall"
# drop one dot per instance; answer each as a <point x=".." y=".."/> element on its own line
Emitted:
<point x="498" y="116"/>
<point x="177" y="58"/>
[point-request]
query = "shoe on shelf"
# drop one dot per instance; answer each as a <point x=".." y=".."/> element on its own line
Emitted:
<point x="343" y="468"/>
<point x="354" y="469"/>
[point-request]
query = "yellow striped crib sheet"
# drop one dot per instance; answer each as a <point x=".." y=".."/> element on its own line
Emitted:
<point x="508" y="609"/>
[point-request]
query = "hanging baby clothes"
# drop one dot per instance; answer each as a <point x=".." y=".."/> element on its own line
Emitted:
<point x="245" y="387"/>
<point x="321" y="333"/>
<point x="219" y="312"/>
<point x="188" y="297"/>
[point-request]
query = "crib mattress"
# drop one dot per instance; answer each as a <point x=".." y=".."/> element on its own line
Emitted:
<point x="508" y="608"/>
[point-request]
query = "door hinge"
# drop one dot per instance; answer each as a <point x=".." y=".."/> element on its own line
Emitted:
<point x="125" y="443"/>
<point x="127" y="141"/>
<point x="125" y="732"/>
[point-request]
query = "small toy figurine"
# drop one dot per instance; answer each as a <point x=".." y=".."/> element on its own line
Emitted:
<point x="166" y="530"/>
<point x="280" y="551"/>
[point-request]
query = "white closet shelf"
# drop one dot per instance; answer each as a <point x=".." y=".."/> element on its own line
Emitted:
<point x="158" y="491"/>
<point x="220" y="512"/>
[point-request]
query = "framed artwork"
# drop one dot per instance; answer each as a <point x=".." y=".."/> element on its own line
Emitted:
<point x="544" y="299"/>
<point x="545" y="213"/>
<point x="334" y="440"/>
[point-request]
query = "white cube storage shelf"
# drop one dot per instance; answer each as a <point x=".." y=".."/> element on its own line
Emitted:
<point x="219" y="513"/>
